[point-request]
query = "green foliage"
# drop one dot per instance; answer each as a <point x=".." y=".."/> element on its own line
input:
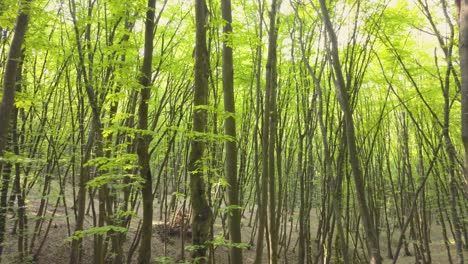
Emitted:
<point x="169" y="260"/>
<point x="96" y="231"/>
<point x="164" y="260"/>
<point x="194" y="247"/>
<point x="219" y="240"/>
<point x="124" y="161"/>
<point x="10" y="157"/>
<point x="228" y="209"/>
<point x="107" y="178"/>
<point x="8" y="12"/>
<point x="179" y="195"/>
<point x="393" y="65"/>
<point x="114" y="170"/>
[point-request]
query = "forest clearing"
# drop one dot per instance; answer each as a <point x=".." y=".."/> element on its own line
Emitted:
<point x="234" y="131"/>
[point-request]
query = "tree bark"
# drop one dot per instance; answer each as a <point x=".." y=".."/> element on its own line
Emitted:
<point x="463" y="46"/>
<point x="261" y="183"/>
<point x="463" y="25"/>
<point x="202" y="215"/>
<point x="144" y="254"/>
<point x="11" y="70"/>
<point x="270" y="113"/>
<point x="232" y="197"/>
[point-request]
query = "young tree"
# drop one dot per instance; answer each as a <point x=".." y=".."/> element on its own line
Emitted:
<point x="202" y="215"/>
<point x="95" y="141"/>
<point x="144" y="138"/>
<point x="11" y="70"/>
<point x="9" y="88"/>
<point x="232" y="197"/>
<point x="463" y="25"/>
<point x="343" y="98"/>
<point x="269" y="130"/>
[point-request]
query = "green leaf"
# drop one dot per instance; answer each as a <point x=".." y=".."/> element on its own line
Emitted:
<point x="97" y="231"/>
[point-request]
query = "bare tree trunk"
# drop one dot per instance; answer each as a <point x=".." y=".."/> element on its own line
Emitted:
<point x="463" y="24"/>
<point x="8" y="99"/>
<point x="270" y="113"/>
<point x="144" y="254"/>
<point x="232" y="197"/>
<point x="202" y="215"/>
<point x="261" y="184"/>
<point x="11" y="70"/>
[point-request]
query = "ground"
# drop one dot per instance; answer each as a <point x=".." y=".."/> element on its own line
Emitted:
<point x="56" y="246"/>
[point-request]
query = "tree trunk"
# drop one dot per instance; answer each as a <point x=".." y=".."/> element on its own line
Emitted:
<point x="144" y="254"/>
<point x="463" y="25"/>
<point x="261" y="184"/>
<point x="11" y="70"/>
<point x="8" y="99"/>
<point x="202" y="215"/>
<point x="270" y="129"/>
<point x="232" y="198"/>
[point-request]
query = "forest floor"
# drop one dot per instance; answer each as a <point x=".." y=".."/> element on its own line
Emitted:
<point x="56" y="248"/>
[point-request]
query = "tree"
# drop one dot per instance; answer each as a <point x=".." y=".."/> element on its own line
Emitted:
<point x="202" y="215"/>
<point x="270" y="126"/>
<point x="234" y="212"/>
<point x="144" y="138"/>
<point x="463" y="25"/>
<point x="12" y="69"/>
<point x="343" y="98"/>
<point x="95" y="140"/>
<point x="344" y="136"/>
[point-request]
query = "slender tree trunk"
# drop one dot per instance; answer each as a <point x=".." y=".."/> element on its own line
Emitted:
<point x="302" y="209"/>
<point x="463" y="23"/>
<point x="11" y="70"/>
<point x="202" y="215"/>
<point x="234" y="213"/>
<point x="270" y="113"/>
<point x="343" y="97"/>
<point x="76" y="245"/>
<point x="262" y="192"/>
<point x="452" y="155"/>
<point x="144" y="254"/>
<point x="6" y="177"/>
<point x="7" y="104"/>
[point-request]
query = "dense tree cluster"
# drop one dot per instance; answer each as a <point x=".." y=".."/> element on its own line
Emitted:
<point x="234" y="131"/>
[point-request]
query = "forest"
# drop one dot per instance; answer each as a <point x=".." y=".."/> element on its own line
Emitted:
<point x="234" y="131"/>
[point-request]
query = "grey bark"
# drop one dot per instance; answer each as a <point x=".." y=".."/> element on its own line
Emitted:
<point x="202" y="215"/>
<point x="463" y="24"/>
<point x="11" y="70"/>
<point x="232" y="197"/>
<point x="144" y="254"/>
<point x="9" y="90"/>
